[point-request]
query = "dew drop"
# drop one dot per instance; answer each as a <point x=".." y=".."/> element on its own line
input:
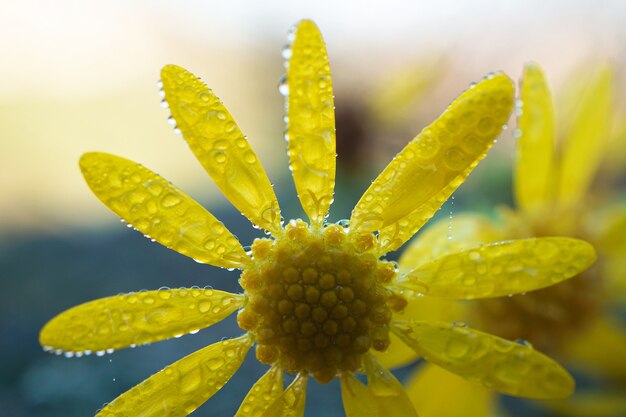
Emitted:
<point x="283" y="86"/>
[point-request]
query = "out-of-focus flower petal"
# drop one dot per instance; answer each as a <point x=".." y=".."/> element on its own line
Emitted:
<point x="501" y="268"/>
<point x="600" y="348"/>
<point x="311" y="121"/>
<point x="137" y="318"/>
<point x="180" y="388"/>
<point x="432" y="387"/>
<point x="161" y="211"/>
<point x="262" y="394"/>
<point x="496" y="363"/>
<point x="221" y="148"/>
<point x="387" y="393"/>
<point x="587" y="137"/>
<point x="427" y="171"/>
<point x="535" y="171"/>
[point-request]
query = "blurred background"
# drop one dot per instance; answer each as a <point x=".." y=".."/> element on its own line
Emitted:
<point x="82" y="76"/>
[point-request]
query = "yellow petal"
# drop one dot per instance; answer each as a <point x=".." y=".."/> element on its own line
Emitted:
<point x="387" y="393"/>
<point x="136" y="318"/>
<point x="221" y="148"/>
<point x="262" y="394"/>
<point x="441" y="309"/>
<point x="496" y="363"/>
<point x="446" y="237"/>
<point x="161" y="211"/>
<point x="431" y="387"/>
<point x="357" y="400"/>
<point x="427" y="171"/>
<point x="291" y="402"/>
<point x="500" y="268"/>
<point x="535" y="167"/>
<point x="180" y="388"/>
<point x="588" y="137"/>
<point x="600" y="348"/>
<point x="311" y="121"/>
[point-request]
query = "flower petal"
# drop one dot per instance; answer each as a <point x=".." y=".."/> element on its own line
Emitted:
<point x="427" y="171"/>
<point x="161" y="211"/>
<point x="357" y="399"/>
<point x="262" y="394"/>
<point x="137" y="318"/>
<point x="500" y="268"/>
<point x="180" y="388"/>
<point x="535" y="168"/>
<point x="291" y="402"/>
<point x="387" y="393"/>
<point x="496" y="363"/>
<point x="221" y="148"/>
<point x="398" y="353"/>
<point x="429" y="389"/>
<point x="599" y="348"/>
<point x="588" y="136"/>
<point x="446" y="237"/>
<point x="311" y="121"/>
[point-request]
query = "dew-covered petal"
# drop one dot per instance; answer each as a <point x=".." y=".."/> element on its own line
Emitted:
<point x="442" y="309"/>
<point x="535" y="170"/>
<point x="600" y="347"/>
<point x="430" y="389"/>
<point x="262" y="394"/>
<point x="509" y="367"/>
<point x="161" y="211"/>
<point x="137" y="318"/>
<point x="310" y="116"/>
<point x="447" y="236"/>
<point x="500" y="268"/>
<point x="386" y="391"/>
<point x="427" y="171"/>
<point x="357" y="399"/>
<point x="587" y="137"/>
<point x="180" y="388"/>
<point x="291" y="402"/>
<point x="221" y="148"/>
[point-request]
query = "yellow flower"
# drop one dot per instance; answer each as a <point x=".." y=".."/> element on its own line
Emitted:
<point x="571" y="320"/>
<point x="317" y="298"/>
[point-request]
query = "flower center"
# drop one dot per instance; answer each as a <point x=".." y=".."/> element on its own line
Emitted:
<point x="315" y="300"/>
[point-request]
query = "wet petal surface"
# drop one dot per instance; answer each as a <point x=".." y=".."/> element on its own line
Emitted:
<point x="161" y="211"/>
<point x="386" y="391"/>
<point x="535" y="167"/>
<point x="501" y="268"/>
<point x="180" y="388"/>
<point x="137" y="318"/>
<point x="311" y="121"/>
<point x="262" y="394"/>
<point x="221" y="148"/>
<point x="509" y="367"/>
<point x="427" y="171"/>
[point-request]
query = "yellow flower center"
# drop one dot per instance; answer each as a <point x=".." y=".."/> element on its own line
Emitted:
<point x="316" y="302"/>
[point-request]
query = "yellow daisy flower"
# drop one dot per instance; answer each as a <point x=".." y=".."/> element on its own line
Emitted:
<point x="571" y="320"/>
<point x="318" y="298"/>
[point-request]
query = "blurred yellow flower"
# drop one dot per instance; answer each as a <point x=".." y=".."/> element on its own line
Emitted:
<point x="571" y="320"/>
<point x="317" y="298"/>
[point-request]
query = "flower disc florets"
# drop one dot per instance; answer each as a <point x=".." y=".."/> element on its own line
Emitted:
<point x="316" y="301"/>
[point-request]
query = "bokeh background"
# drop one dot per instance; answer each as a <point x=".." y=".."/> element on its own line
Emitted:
<point x="81" y="76"/>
